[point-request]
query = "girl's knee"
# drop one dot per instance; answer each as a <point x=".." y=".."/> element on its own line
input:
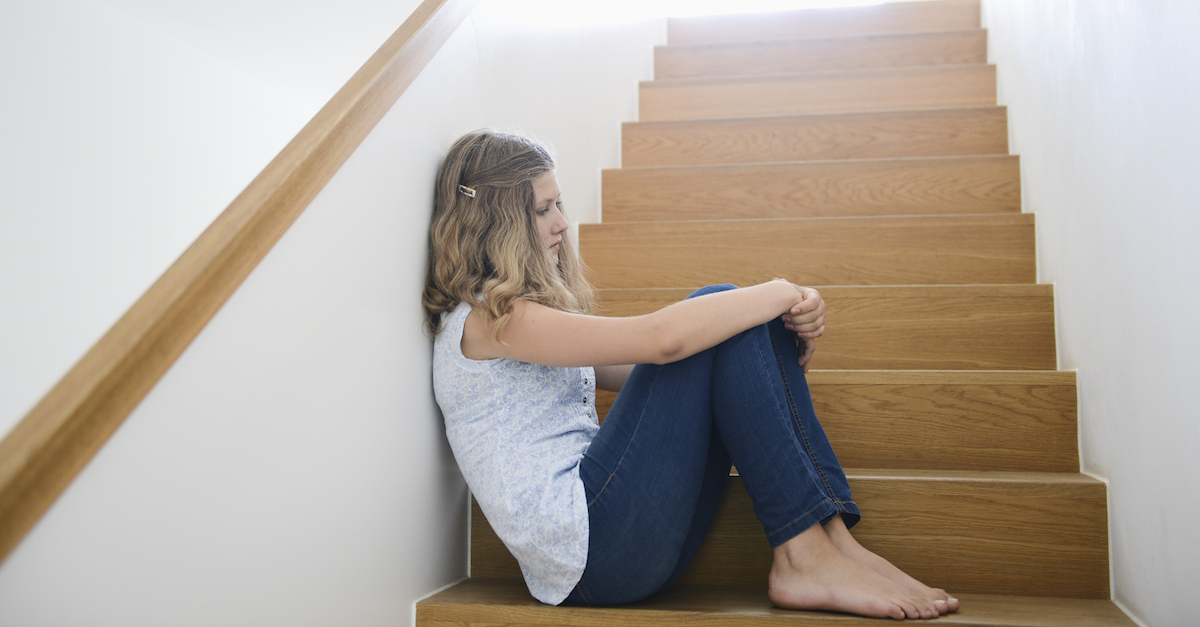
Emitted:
<point x="712" y="289"/>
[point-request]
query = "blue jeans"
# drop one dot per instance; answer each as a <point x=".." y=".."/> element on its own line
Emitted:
<point x="656" y="471"/>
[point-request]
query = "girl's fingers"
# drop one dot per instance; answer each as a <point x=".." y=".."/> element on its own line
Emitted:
<point x="808" y="347"/>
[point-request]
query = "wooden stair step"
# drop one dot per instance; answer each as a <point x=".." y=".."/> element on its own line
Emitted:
<point x="946" y="420"/>
<point x="818" y="92"/>
<point x="899" y="17"/>
<point x="911" y="327"/>
<point x="921" y="250"/>
<point x="816" y="137"/>
<point x="1027" y="534"/>
<point x="814" y="189"/>
<point x="819" y="54"/>
<point x="491" y="602"/>
<point x="983" y="420"/>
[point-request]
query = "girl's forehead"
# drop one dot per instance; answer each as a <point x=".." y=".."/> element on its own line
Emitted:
<point x="545" y="187"/>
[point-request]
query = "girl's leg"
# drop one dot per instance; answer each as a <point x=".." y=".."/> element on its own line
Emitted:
<point x="654" y="476"/>
<point x="765" y="418"/>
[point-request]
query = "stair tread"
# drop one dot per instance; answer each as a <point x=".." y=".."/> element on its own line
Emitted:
<point x="859" y="291"/>
<point x="973" y="476"/>
<point x="831" y="114"/>
<point x="952" y="377"/>
<point x="727" y="46"/>
<point x="807" y="163"/>
<point x="507" y="601"/>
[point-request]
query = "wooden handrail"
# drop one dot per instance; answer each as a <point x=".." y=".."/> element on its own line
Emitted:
<point x="42" y="455"/>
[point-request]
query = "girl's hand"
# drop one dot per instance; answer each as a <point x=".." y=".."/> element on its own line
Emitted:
<point x="806" y="319"/>
<point x="807" y="348"/>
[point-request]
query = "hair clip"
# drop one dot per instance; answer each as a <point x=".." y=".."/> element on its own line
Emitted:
<point x="466" y="191"/>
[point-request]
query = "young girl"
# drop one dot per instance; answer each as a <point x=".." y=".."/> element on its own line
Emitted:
<point x="612" y="514"/>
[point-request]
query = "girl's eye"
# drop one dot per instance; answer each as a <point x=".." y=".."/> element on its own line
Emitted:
<point x="542" y="212"/>
<point x="558" y="203"/>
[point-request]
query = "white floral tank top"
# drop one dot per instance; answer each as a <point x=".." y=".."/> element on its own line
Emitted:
<point x="518" y="431"/>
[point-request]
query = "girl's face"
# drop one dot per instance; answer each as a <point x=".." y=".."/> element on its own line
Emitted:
<point x="547" y="212"/>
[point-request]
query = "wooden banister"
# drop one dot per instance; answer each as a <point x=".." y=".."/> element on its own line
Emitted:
<point x="42" y="455"/>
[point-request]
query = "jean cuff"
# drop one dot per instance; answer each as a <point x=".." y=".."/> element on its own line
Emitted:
<point x="822" y="512"/>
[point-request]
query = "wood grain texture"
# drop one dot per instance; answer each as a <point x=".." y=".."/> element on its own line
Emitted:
<point x="821" y="54"/>
<point x="49" y="447"/>
<point x="494" y="602"/>
<point x="813" y="251"/>
<point x="818" y="92"/>
<point x="982" y="426"/>
<point x="937" y="15"/>
<point x="1028" y="534"/>
<point x="872" y="187"/>
<point x="816" y="137"/>
<point x="927" y="327"/>
<point x="944" y="420"/>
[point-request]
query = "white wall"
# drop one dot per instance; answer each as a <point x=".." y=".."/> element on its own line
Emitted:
<point x="291" y="467"/>
<point x="129" y="125"/>
<point x="568" y="83"/>
<point x="1103" y="99"/>
<point x="120" y="145"/>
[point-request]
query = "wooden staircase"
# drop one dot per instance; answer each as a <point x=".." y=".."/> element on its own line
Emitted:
<point x="860" y="150"/>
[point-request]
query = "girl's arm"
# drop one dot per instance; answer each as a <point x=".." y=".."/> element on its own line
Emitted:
<point x="541" y="335"/>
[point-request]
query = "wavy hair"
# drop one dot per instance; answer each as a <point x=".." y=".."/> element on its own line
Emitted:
<point x="485" y="250"/>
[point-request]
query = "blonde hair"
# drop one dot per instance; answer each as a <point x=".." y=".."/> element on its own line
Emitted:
<point x="487" y="246"/>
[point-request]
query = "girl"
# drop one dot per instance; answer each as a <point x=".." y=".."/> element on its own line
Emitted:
<point x="612" y="514"/>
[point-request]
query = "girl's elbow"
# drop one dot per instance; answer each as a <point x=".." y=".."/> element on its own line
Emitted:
<point x="668" y="349"/>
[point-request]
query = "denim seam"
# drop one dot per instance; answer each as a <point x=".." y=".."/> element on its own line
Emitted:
<point x="601" y="490"/>
<point x="795" y="416"/>
<point x="628" y="443"/>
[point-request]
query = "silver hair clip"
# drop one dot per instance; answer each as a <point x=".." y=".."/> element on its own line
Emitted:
<point x="466" y="191"/>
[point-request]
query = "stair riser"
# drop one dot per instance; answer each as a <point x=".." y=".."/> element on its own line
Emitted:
<point x="948" y="427"/>
<point x="945" y="427"/>
<point x="827" y="92"/>
<point x="855" y="251"/>
<point x="986" y="537"/>
<point x="912" y="328"/>
<point x="891" y="134"/>
<point x="991" y="538"/>
<point x="887" y="18"/>
<point x="956" y="185"/>
<point x="821" y="55"/>
<point x="947" y="421"/>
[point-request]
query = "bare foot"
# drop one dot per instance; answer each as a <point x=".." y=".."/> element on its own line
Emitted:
<point x="839" y="534"/>
<point x="810" y="573"/>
